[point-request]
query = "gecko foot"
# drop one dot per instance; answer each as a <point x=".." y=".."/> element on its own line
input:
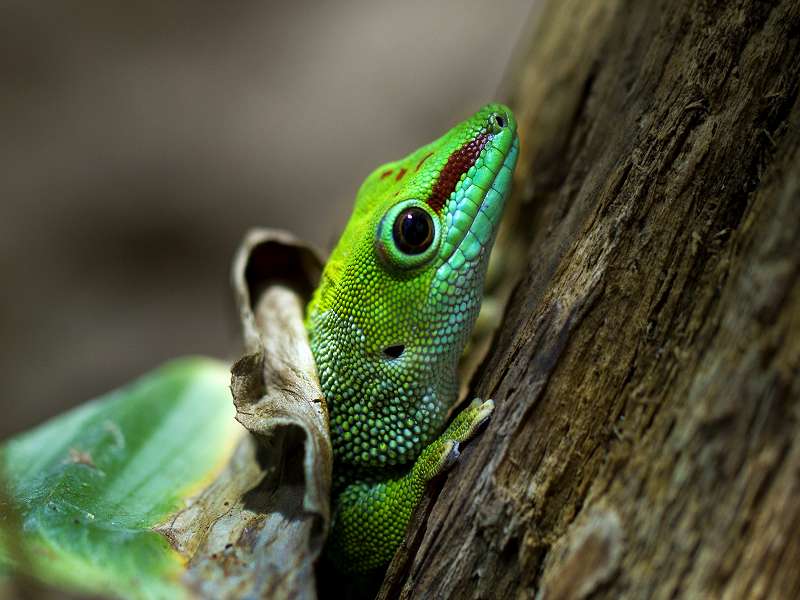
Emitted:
<point x="442" y="454"/>
<point x="469" y="421"/>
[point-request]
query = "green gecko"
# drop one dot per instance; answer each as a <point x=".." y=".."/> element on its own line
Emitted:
<point x="390" y="319"/>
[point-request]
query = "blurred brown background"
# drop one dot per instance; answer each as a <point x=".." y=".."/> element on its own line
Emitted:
<point x="141" y="139"/>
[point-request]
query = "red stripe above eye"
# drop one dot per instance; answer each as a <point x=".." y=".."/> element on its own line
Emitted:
<point x="457" y="164"/>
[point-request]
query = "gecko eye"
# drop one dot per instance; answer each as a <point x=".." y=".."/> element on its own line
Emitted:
<point x="413" y="230"/>
<point x="408" y="237"/>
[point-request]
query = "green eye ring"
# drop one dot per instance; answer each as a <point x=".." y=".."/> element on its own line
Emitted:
<point x="408" y="235"/>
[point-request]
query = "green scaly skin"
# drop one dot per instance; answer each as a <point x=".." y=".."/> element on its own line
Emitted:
<point x="390" y="319"/>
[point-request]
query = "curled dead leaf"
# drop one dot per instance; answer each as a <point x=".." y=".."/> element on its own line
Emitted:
<point x="258" y="529"/>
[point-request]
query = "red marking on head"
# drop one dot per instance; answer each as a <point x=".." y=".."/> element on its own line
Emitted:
<point x="400" y="174"/>
<point x="459" y="163"/>
<point x="385" y="174"/>
<point x="424" y="158"/>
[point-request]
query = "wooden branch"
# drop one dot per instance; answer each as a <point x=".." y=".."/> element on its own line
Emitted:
<point x="646" y="441"/>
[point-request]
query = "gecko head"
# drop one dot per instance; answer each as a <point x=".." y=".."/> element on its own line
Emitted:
<point x="417" y="244"/>
<point x="435" y="221"/>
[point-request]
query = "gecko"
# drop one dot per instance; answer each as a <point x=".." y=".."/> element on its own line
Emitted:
<point x="394" y="309"/>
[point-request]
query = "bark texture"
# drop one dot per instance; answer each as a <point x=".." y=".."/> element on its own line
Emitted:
<point x="646" y="442"/>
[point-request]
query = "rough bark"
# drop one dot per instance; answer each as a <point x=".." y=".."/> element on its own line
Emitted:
<point x="646" y="442"/>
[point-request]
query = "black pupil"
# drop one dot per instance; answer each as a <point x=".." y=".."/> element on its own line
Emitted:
<point x="413" y="231"/>
<point x="500" y="121"/>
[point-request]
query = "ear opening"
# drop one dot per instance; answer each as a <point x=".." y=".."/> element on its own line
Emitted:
<point x="394" y="351"/>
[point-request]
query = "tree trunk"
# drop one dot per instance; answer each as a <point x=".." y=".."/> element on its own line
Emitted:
<point x="646" y="441"/>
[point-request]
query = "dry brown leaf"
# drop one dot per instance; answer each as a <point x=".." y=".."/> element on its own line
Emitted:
<point x="258" y="529"/>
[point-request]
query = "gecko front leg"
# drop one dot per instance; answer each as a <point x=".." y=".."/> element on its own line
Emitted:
<point x="372" y="513"/>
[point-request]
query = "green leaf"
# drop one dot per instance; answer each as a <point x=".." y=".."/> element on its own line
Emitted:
<point x="89" y="486"/>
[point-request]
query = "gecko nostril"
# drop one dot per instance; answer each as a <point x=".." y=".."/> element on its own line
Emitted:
<point x="393" y="351"/>
<point x="497" y="122"/>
